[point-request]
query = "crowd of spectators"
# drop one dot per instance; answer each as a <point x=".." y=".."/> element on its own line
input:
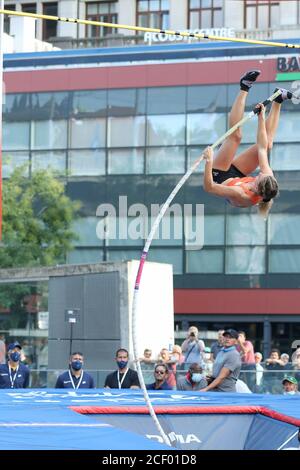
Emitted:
<point x="258" y="375"/>
<point x="229" y="364"/>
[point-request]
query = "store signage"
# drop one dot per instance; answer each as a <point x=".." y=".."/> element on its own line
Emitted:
<point x="288" y="68"/>
<point x="161" y="37"/>
<point x="288" y="64"/>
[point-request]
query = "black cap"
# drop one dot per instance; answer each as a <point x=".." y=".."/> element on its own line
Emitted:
<point x="231" y="332"/>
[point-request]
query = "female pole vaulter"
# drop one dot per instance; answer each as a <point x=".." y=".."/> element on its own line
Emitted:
<point x="227" y="175"/>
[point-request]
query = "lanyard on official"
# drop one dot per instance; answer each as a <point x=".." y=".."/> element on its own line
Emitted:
<point x="79" y="381"/>
<point x="122" y="380"/>
<point x="12" y="380"/>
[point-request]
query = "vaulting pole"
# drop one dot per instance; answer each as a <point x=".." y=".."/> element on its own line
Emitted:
<point x="182" y="180"/>
<point x="184" y="34"/>
<point x="148" y="244"/>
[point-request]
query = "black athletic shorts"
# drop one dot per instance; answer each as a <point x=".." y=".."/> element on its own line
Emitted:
<point x="219" y="176"/>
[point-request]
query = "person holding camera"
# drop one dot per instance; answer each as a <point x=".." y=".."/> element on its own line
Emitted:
<point x="193" y="348"/>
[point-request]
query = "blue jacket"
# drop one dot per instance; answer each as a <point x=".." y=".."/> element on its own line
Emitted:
<point x="164" y="386"/>
<point x="64" y="381"/>
<point x="19" y="379"/>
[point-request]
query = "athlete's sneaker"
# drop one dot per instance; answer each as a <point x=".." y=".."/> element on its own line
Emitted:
<point x="248" y="79"/>
<point x="285" y="95"/>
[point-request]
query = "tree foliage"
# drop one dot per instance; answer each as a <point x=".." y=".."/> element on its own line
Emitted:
<point x="37" y="220"/>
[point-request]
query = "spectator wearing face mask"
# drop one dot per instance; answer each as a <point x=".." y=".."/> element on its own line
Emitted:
<point x="290" y="386"/>
<point x="14" y="374"/>
<point x="75" y="377"/>
<point x="193" y="380"/>
<point x="124" y="377"/>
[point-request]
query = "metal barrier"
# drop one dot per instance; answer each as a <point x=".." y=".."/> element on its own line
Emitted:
<point x="258" y="381"/>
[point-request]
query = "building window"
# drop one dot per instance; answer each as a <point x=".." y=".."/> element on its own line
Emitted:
<point x="205" y="14"/>
<point x="16" y="135"/>
<point x="284" y="260"/>
<point x="13" y="160"/>
<point x="105" y="12"/>
<point x="153" y="13"/>
<point x="49" y="26"/>
<point x="6" y="21"/>
<point x="30" y="8"/>
<point x="261" y="14"/>
<point x="49" y="135"/>
<point x="245" y="260"/>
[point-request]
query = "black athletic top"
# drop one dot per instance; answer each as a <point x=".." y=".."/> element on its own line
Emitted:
<point x="117" y="380"/>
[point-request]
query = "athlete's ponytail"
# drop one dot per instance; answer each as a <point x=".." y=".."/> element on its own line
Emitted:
<point x="268" y="189"/>
<point x="264" y="207"/>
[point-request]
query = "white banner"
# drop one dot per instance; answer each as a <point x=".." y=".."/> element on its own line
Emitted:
<point x="160" y="37"/>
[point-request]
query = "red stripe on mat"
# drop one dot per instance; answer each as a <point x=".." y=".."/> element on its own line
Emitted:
<point x="187" y="410"/>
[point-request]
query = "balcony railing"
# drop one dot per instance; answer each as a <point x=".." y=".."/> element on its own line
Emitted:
<point x="112" y="40"/>
<point x="123" y="40"/>
<point x="275" y="33"/>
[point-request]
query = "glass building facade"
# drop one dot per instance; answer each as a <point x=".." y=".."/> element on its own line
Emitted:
<point x="120" y="128"/>
<point x="137" y="143"/>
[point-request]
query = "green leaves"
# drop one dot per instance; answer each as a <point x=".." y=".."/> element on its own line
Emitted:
<point x="37" y="220"/>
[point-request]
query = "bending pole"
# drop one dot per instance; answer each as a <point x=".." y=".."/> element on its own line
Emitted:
<point x="147" y="246"/>
<point x="185" y="34"/>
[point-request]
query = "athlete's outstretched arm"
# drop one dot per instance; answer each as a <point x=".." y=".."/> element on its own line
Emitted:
<point x="262" y="142"/>
<point x="208" y="183"/>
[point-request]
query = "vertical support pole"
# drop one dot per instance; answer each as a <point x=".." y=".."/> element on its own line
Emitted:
<point x="267" y="338"/>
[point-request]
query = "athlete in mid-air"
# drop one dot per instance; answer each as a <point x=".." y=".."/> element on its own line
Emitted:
<point x="227" y="175"/>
